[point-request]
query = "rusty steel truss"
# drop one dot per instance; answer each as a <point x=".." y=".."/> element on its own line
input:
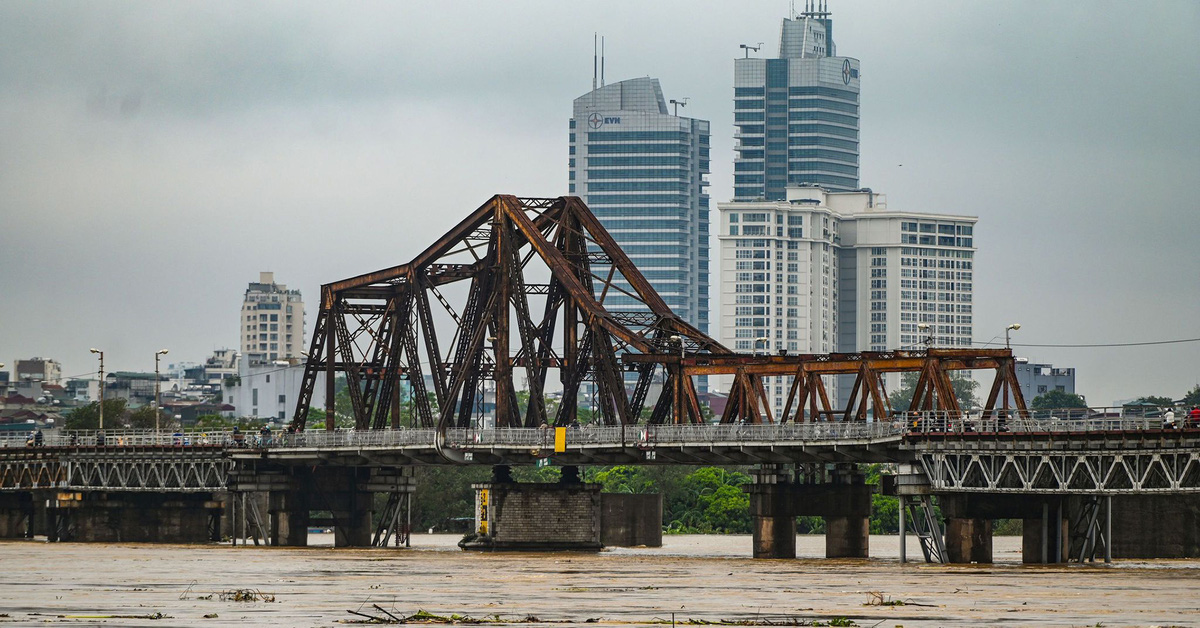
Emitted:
<point x="518" y="289"/>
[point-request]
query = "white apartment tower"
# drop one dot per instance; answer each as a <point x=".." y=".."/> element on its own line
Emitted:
<point x="824" y="271"/>
<point x="272" y="322"/>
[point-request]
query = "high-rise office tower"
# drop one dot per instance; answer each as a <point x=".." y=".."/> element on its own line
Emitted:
<point x="796" y="116"/>
<point x="272" y="322"/>
<point x="641" y="168"/>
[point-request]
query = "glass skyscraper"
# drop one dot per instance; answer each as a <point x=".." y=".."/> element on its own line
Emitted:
<point x="642" y="171"/>
<point x="796" y="116"/>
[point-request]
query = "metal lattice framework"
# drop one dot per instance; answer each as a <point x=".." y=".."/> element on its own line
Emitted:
<point x="1063" y="471"/>
<point x="521" y="289"/>
<point x="152" y="471"/>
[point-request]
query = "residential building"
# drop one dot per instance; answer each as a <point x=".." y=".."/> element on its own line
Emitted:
<point x="825" y="271"/>
<point x="270" y="391"/>
<point x="272" y="321"/>
<point x="38" y="370"/>
<point x="136" y="388"/>
<point x="796" y="116"/>
<point x="641" y="169"/>
<point x="1039" y="379"/>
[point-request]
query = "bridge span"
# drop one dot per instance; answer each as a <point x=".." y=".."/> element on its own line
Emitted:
<point x="973" y="469"/>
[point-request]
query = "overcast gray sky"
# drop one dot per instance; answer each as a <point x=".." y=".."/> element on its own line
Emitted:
<point x="155" y="156"/>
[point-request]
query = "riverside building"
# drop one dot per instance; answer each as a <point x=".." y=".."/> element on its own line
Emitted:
<point x="272" y="322"/>
<point x="824" y="271"/>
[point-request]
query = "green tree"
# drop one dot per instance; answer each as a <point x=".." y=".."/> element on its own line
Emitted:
<point x="143" y="418"/>
<point x="88" y="417"/>
<point x="1055" y="399"/>
<point x="1192" y="398"/>
<point x="710" y="499"/>
<point x="965" y="390"/>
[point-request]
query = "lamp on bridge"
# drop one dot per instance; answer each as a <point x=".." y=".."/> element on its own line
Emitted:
<point x="1013" y="327"/>
<point x="158" y="353"/>
<point x="679" y="340"/>
<point x="926" y="327"/>
<point x="95" y="350"/>
<point x="766" y="340"/>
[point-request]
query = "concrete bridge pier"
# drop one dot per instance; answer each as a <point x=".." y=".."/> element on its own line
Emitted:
<point x="772" y="520"/>
<point x="112" y="517"/>
<point x="776" y="500"/>
<point x="16" y="515"/>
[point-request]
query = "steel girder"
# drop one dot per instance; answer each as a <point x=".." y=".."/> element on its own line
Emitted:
<point x="518" y="289"/>
<point x="1098" y="472"/>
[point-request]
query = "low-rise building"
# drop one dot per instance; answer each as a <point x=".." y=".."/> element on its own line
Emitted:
<point x="270" y="391"/>
<point x="1039" y="378"/>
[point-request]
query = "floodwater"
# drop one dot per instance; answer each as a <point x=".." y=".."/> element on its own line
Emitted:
<point x="710" y="578"/>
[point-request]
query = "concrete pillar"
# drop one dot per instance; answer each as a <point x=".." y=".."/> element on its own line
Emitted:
<point x="536" y="517"/>
<point x="289" y="517"/>
<point x="848" y="526"/>
<point x="340" y="490"/>
<point x="628" y="520"/>
<point x="847" y="537"/>
<point x="16" y="515"/>
<point x="772" y="514"/>
<point x="968" y="540"/>
<point x="132" y="517"/>
<point x="1156" y="526"/>
<point x="1032" y="543"/>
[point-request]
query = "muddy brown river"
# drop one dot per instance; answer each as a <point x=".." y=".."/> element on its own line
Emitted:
<point x="691" y="578"/>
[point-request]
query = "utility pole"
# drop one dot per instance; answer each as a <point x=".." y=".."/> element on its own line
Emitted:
<point x="95" y="350"/>
<point x="158" y="353"/>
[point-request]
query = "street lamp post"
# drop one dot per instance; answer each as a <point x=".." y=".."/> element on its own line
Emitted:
<point x="765" y="340"/>
<point x="928" y="340"/>
<point x="158" y="353"/>
<point x="1013" y="327"/>
<point x="95" y="350"/>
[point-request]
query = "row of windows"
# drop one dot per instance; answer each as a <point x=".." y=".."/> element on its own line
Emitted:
<point x="822" y="128"/>
<point x="936" y="240"/>
<point x="648" y="212"/>
<point x="658" y="173"/>
<point x="674" y="225"/>
<point x="804" y="140"/>
<point x="633" y="136"/>
<point x="636" y="161"/>
<point x="824" y="116"/>
<point x="612" y="149"/>
<point x="638" y="186"/>
<point x="815" y="166"/>
<point x="797" y="153"/>
<point x="928" y="227"/>
<point x="623" y="199"/>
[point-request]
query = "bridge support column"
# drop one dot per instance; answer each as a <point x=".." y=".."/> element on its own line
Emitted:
<point x="776" y="501"/>
<point x="136" y="517"/>
<point x="968" y="527"/>
<point x="513" y="516"/>
<point x="848" y="524"/>
<point x="968" y="540"/>
<point x="16" y="515"/>
<point x="1046" y="538"/>
<point x="1156" y="526"/>
<point x="341" y="490"/>
<point x="772" y="516"/>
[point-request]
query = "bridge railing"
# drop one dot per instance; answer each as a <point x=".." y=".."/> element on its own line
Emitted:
<point x="1039" y="421"/>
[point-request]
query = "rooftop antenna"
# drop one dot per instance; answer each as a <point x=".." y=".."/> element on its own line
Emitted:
<point x="601" y="62"/>
<point x="593" y="62"/>
<point x="748" y="48"/>
<point x="678" y="104"/>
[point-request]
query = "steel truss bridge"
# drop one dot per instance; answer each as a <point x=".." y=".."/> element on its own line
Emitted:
<point x="521" y="288"/>
<point x="1030" y="456"/>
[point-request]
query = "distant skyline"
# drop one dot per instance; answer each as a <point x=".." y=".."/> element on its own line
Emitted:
<point x="143" y="145"/>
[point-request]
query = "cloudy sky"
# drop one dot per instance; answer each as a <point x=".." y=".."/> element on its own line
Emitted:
<point x="155" y="156"/>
